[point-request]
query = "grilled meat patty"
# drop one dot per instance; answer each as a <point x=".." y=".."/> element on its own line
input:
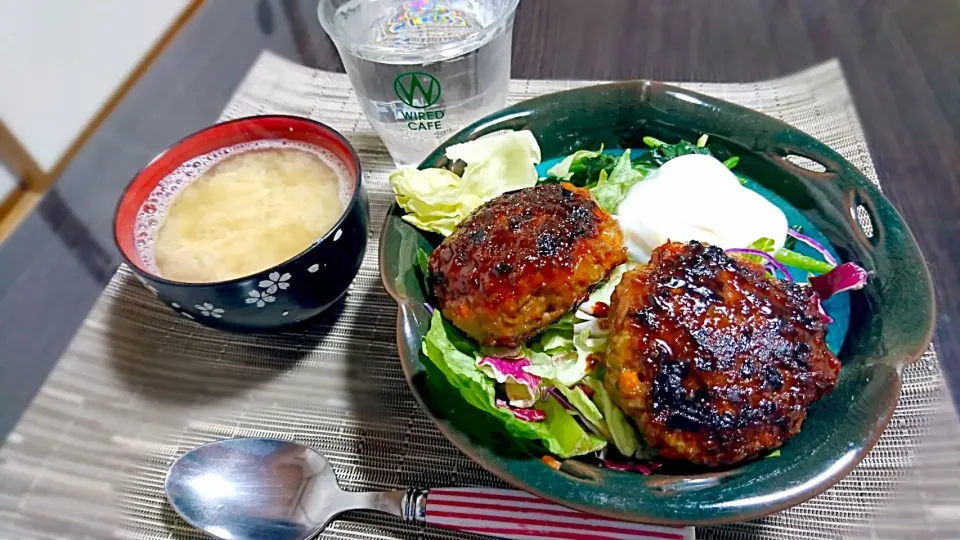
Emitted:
<point x="522" y="260"/>
<point x="714" y="360"/>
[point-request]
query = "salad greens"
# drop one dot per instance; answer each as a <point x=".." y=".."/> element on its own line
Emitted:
<point x="763" y="244"/>
<point x="550" y="389"/>
<point x="789" y="257"/>
<point x="604" y="292"/>
<point x="558" y="367"/>
<point x="663" y="152"/>
<point x="521" y="388"/>
<point x="553" y="355"/>
<point x="611" y="188"/>
<point x="796" y="260"/>
<point x="608" y="178"/>
<point x="436" y="200"/>
<point x="621" y="430"/>
<point x="561" y="367"/>
<point x="594" y="169"/>
<point x="556" y="338"/>
<point x="579" y="167"/>
<point x="455" y="356"/>
<point x="579" y="400"/>
<point x="568" y="433"/>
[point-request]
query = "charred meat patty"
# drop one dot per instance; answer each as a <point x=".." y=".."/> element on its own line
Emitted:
<point x="522" y="260"/>
<point x="715" y="360"/>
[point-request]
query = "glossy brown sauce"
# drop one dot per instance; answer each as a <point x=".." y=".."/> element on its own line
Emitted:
<point x="727" y="358"/>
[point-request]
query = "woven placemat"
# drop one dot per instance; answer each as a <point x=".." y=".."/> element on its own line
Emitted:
<point x="140" y="385"/>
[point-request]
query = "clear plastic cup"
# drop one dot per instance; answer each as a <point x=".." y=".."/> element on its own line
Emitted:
<point x="423" y="69"/>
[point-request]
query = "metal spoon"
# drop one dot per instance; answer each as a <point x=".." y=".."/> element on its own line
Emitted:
<point x="239" y="489"/>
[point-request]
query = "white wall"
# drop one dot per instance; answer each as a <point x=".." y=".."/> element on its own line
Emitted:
<point x="60" y="60"/>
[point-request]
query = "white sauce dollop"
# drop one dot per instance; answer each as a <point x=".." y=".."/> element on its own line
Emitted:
<point x="695" y="197"/>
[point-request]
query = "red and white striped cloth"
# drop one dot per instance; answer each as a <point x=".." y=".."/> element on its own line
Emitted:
<point x="517" y="514"/>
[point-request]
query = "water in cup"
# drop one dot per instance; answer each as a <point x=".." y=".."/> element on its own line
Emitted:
<point x="423" y="69"/>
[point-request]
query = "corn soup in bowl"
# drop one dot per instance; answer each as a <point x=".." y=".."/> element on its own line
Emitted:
<point x="249" y="225"/>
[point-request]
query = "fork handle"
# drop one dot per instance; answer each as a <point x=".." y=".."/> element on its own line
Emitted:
<point x="516" y="514"/>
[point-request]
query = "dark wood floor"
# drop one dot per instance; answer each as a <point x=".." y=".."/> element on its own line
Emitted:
<point x="901" y="58"/>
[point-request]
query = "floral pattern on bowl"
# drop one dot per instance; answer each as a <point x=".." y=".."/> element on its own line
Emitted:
<point x="269" y="299"/>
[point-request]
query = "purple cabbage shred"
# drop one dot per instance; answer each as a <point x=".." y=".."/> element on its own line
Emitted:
<point x="642" y="468"/>
<point x="768" y="258"/>
<point x="814" y="244"/>
<point x="527" y="415"/>
<point x="845" y="277"/>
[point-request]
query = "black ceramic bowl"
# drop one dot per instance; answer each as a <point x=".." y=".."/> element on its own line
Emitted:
<point x="282" y="295"/>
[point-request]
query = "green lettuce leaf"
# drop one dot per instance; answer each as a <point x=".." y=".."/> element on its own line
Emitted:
<point x="588" y="409"/>
<point x="555" y="355"/>
<point x="763" y="244"/>
<point x="454" y="355"/>
<point x="498" y="163"/>
<point x="577" y="160"/>
<point x="586" y="344"/>
<point x="564" y="323"/>
<point x="569" y="436"/>
<point x="604" y="293"/>
<point x="566" y="367"/>
<point x="581" y="168"/>
<point x="621" y="430"/>
<point x="436" y="200"/>
<point x="612" y="188"/>
<point x="552" y="353"/>
<point x="556" y="338"/>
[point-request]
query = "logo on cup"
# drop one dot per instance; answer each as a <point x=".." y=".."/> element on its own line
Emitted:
<point x="417" y="89"/>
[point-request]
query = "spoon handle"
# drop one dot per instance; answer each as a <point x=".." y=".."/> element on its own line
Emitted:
<point x="516" y="514"/>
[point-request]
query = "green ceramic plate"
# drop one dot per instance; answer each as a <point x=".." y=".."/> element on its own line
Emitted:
<point x="890" y="325"/>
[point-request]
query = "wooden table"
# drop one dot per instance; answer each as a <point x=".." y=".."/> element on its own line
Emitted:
<point x="901" y="58"/>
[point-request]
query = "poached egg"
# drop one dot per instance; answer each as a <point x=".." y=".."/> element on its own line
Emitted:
<point x="696" y="197"/>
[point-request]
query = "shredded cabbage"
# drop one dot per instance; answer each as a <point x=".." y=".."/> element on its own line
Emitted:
<point x="621" y="430"/>
<point x="588" y="409"/>
<point x="565" y="368"/>
<point x="522" y="388"/>
<point x="604" y="292"/>
<point x="572" y="438"/>
<point x="436" y="200"/>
